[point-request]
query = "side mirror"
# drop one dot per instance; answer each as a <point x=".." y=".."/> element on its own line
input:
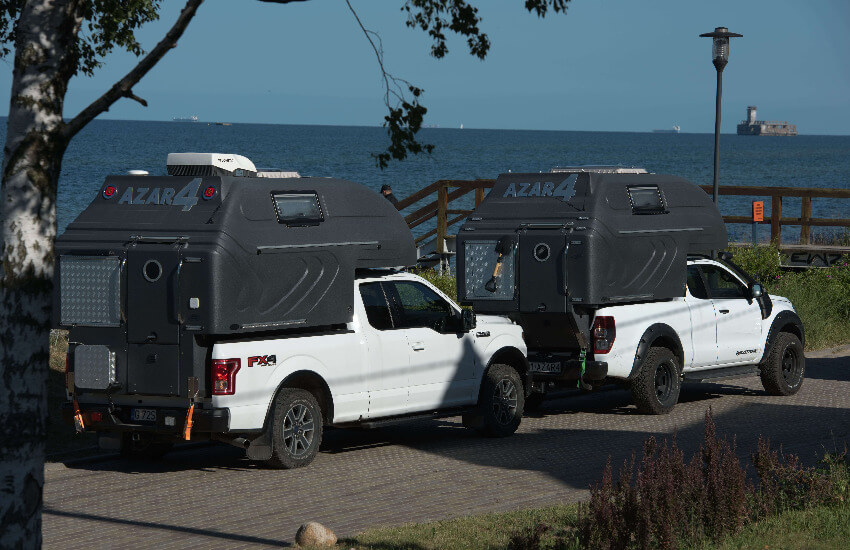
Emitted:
<point x="467" y="320"/>
<point x="756" y="291"/>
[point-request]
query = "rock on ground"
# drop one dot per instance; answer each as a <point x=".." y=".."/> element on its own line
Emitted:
<point x="314" y="534"/>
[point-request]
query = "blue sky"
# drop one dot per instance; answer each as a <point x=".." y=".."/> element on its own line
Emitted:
<point x="613" y="65"/>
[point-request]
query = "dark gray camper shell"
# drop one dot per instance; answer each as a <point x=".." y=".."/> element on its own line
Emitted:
<point x="572" y="242"/>
<point x="157" y="268"/>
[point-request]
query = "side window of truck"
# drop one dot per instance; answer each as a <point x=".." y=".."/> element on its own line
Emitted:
<point x="721" y="283"/>
<point x="418" y="305"/>
<point x="696" y="286"/>
<point x="377" y="308"/>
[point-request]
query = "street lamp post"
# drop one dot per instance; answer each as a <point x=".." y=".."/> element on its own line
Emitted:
<point x="719" y="56"/>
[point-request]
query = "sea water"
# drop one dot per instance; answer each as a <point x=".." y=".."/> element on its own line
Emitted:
<point x="107" y="147"/>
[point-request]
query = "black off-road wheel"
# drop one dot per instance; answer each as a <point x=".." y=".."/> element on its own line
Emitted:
<point x="296" y="429"/>
<point x="144" y="446"/>
<point x="655" y="389"/>
<point x="783" y="372"/>
<point x="500" y="403"/>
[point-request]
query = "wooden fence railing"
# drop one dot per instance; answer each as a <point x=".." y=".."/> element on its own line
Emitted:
<point x="440" y="195"/>
<point x="775" y="220"/>
<point x="438" y="207"/>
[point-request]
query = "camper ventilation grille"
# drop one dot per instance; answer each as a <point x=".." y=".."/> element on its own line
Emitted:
<point x="94" y="367"/>
<point x="90" y="291"/>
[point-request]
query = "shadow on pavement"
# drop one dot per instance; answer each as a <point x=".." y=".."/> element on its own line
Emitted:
<point x="176" y="528"/>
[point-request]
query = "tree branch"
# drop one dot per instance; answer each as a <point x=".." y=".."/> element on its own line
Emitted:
<point x="134" y="97"/>
<point x="124" y="87"/>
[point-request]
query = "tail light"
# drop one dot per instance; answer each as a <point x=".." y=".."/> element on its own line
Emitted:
<point x="604" y="333"/>
<point x="224" y="376"/>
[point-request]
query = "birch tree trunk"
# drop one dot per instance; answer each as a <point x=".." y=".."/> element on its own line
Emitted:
<point x="32" y="159"/>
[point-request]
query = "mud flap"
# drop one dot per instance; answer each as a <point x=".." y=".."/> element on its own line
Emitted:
<point x="260" y="448"/>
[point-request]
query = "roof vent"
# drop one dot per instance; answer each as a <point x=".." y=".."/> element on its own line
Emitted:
<point x="209" y="164"/>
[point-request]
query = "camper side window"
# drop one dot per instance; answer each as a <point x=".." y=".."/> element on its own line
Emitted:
<point x="297" y="208"/>
<point x="646" y="199"/>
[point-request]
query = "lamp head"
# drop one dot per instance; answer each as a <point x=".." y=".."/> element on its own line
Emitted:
<point x="720" y="46"/>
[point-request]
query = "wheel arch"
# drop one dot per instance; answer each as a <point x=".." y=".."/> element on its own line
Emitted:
<point x="785" y="321"/>
<point x="312" y="382"/>
<point x="658" y="334"/>
<point x="509" y="355"/>
<point x="512" y="356"/>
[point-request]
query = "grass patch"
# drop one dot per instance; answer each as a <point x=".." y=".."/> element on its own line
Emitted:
<point x="473" y="532"/>
<point x="822" y="527"/>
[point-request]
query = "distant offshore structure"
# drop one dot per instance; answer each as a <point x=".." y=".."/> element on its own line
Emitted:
<point x="193" y="118"/>
<point x="753" y="127"/>
<point x="674" y="130"/>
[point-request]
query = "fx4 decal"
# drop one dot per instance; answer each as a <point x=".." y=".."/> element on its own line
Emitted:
<point x="262" y="361"/>
<point x="187" y="197"/>
<point x="565" y="190"/>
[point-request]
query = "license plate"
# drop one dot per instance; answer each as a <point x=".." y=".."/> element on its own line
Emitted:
<point x="545" y="366"/>
<point x="143" y="415"/>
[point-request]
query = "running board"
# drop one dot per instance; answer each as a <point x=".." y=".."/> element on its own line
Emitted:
<point x="721" y="374"/>
<point x="380" y="422"/>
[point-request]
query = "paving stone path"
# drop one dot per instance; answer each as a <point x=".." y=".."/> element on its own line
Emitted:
<point x="211" y="497"/>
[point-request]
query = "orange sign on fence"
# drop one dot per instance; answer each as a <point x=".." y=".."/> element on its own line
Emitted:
<point x="758" y="211"/>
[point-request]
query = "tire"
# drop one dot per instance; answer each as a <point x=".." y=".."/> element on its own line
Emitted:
<point x="655" y="389"/>
<point x="500" y="403"/>
<point x="783" y="372"/>
<point x="533" y="402"/>
<point x="296" y="429"/>
<point x="146" y="447"/>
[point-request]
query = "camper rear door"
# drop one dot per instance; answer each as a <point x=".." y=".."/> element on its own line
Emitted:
<point x="152" y="328"/>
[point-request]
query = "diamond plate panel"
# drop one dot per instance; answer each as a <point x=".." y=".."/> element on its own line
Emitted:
<point x="90" y="290"/>
<point x="481" y="259"/>
<point x="94" y="367"/>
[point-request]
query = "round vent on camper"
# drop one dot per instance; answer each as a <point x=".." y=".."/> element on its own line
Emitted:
<point x="152" y="270"/>
<point x="541" y="252"/>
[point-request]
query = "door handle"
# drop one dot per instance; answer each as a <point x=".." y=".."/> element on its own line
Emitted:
<point x="724" y="311"/>
<point x="418" y="346"/>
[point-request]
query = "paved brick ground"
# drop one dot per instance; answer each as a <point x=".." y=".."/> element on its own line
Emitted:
<point x="210" y="497"/>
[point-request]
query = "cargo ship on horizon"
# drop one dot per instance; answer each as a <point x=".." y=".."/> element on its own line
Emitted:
<point x="674" y="130"/>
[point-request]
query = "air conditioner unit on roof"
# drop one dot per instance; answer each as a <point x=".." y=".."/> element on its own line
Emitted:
<point x="209" y="164"/>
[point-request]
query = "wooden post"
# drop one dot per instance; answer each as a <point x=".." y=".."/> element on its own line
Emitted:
<point x="775" y="217"/>
<point x="805" y="216"/>
<point x="479" y="196"/>
<point x="442" y="206"/>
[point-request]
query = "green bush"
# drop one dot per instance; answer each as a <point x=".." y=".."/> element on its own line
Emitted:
<point x="445" y="281"/>
<point x="760" y="262"/>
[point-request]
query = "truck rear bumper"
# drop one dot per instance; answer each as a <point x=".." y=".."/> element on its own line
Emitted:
<point x="168" y="420"/>
<point x="571" y="370"/>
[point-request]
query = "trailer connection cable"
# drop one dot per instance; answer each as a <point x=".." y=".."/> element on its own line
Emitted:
<point x="582" y="356"/>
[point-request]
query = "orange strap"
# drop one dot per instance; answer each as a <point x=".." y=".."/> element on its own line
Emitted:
<point x="187" y="431"/>
<point x="78" y="417"/>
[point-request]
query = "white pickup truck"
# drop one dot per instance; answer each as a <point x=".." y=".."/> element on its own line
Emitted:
<point x="409" y="350"/>
<point x="724" y="327"/>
